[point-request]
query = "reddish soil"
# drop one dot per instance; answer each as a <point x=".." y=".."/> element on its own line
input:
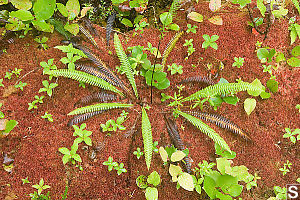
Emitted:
<point x="34" y="143"/>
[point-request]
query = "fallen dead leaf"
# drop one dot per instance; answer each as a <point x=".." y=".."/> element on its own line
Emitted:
<point x="217" y="20"/>
<point x="3" y="124"/>
<point x="10" y="196"/>
<point x="195" y="16"/>
<point x="8" y="168"/>
<point x="9" y="90"/>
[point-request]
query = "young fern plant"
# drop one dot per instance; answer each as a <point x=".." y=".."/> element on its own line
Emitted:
<point x="205" y="129"/>
<point x="147" y="138"/>
<point x="255" y="88"/>
<point x="125" y="65"/>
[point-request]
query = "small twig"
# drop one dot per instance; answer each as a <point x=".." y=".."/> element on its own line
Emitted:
<point x="27" y="74"/>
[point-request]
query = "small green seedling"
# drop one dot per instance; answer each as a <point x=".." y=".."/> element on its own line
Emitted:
<point x="191" y="29"/>
<point x="1" y="113"/>
<point x="8" y="75"/>
<point x="48" y="66"/>
<point x="280" y="193"/>
<point x="114" y="165"/>
<point x="174" y="68"/>
<point x="155" y="149"/>
<point x="112" y="125"/>
<point x="191" y="49"/>
<point x="48" y="87"/>
<point x="153" y="50"/>
<point x="140" y="27"/>
<point x="1" y="82"/>
<point x="70" y="60"/>
<point x="298" y="107"/>
<point x="47" y="116"/>
<point x="110" y="163"/>
<point x="183" y="179"/>
<point x="40" y="187"/>
<point x="25" y="180"/>
<point x="286" y="167"/>
<point x="42" y="42"/>
<point x="81" y="84"/>
<point x="37" y="100"/>
<point x="70" y="155"/>
<point x="238" y="62"/>
<point x="120" y="169"/>
<point x="138" y="153"/>
<point x="154" y="179"/>
<point x="17" y="72"/>
<point x="292" y="135"/>
<point x="210" y="41"/>
<point x="21" y="85"/>
<point x="83" y="135"/>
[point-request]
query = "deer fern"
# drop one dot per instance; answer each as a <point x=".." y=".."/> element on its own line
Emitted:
<point x="205" y="129"/>
<point x="226" y="89"/>
<point x="125" y="63"/>
<point x="98" y="107"/>
<point x="147" y="137"/>
<point x="170" y="47"/>
<point x="86" y="78"/>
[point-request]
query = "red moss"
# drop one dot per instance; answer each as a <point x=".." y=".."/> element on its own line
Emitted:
<point x="35" y="141"/>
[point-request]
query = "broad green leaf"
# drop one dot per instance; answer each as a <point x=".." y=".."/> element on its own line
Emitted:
<point x="72" y="28"/>
<point x="174" y="27"/>
<point x="151" y="193"/>
<point x="262" y="53"/>
<point x="214" y="5"/>
<point x="3" y="2"/>
<point x="154" y="178"/>
<point x="272" y="85"/>
<point x="242" y="3"/>
<point x="265" y="95"/>
<point x="127" y="22"/>
<point x="73" y="7"/>
<point x="21" y="4"/>
<point x="197" y="17"/>
<point x="10" y="125"/>
<point x="166" y="18"/>
<point x="296" y="51"/>
<point x="249" y="105"/>
<point x="222" y="164"/>
<point x="174" y="170"/>
<point x="258" y="84"/>
<point x="222" y="196"/>
<point x="141" y="182"/>
<point x="296" y="3"/>
<point x="23" y="15"/>
<point x="209" y="186"/>
<point x="262" y="8"/>
<point x="43" y="26"/>
<point x="64" y="150"/>
<point x="62" y="9"/>
<point x="177" y="156"/>
<point x="185" y="181"/>
<point x="280" y="57"/>
<point x="231" y="100"/>
<point x="280" y="13"/>
<point x="77" y="158"/>
<point x="44" y="9"/>
<point x="163" y="154"/>
<point x="294" y="62"/>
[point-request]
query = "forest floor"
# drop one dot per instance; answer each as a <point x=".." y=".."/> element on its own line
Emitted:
<point x="34" y="143"/>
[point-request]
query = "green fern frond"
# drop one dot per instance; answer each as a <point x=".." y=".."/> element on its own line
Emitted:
<point x="147" y="137"/>
<point x="224" y="89"/>
<point x="98" y="107"/>
<point x="170" y="47"/>
<point x="125" y="63"/>
<point x="84" y="77"/>
<point x="174" y="7"/>
<point x="88" y="35"/>
<point x="205" y="129"/>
